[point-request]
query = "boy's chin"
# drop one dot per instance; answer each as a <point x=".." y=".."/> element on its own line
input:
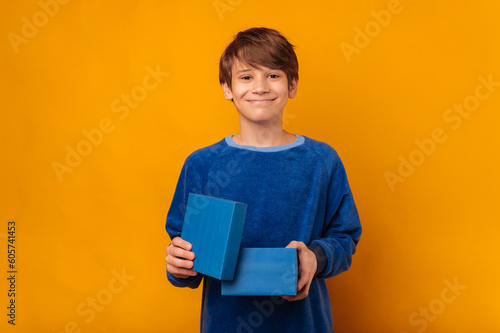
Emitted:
<point x="263" y="118"/>
<point x="261" y="111"/>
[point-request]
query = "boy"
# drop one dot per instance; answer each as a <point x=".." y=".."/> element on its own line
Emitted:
<point x="295" y="188"/>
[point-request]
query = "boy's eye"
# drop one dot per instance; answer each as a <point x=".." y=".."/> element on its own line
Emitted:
<point x="274" y="76"/>
<point x="247" y="77"/>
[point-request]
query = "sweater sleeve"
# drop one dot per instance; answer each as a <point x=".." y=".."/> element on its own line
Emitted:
<point x="175" y="220"/>
<point x="342" y="229"/>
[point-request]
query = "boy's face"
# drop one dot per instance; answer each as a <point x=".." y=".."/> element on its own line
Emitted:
<point x="259" y="94"/>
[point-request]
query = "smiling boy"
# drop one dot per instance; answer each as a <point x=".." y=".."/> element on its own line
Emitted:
<point x="296" y="190"/>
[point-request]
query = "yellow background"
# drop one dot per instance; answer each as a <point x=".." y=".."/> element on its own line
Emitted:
<point x="107" y="216"/>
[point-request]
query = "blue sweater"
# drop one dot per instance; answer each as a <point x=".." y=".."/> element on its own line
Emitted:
<point x="296" y="192"/>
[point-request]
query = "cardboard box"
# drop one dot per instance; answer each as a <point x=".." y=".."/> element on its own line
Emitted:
<point x="214" y="227"/>
<point x="264" y="272"/>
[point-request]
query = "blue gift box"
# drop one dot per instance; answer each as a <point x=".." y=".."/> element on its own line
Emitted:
<point x="214" y="227"/>
<point x="264" y="272"/>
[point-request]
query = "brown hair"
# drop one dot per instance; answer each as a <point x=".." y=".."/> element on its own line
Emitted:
<point x="259" y="47"/>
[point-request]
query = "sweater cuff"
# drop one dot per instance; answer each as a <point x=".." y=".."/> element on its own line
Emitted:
<point x="321" y="257"/>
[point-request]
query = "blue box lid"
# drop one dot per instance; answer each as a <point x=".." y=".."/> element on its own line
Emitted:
<point x="214" y="227"/>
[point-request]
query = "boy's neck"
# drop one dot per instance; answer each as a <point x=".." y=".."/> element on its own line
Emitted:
<point x="263" y="137"/>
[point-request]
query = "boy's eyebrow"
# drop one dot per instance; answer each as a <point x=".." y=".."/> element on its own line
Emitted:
<point x="244" y="70"/>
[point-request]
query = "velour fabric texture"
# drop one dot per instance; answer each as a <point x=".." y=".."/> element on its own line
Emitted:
<point x="295" y="192"/>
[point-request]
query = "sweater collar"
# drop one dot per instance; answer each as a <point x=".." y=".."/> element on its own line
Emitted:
<point x="298" y="141"/>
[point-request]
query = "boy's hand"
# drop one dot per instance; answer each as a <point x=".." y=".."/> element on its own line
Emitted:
<point x="307" y="268"/>
<point x="180" y="268"/>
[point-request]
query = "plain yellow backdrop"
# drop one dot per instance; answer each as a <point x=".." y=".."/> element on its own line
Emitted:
<point x="103" y="101"/>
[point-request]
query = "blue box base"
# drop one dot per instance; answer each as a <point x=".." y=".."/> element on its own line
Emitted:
<point x="264" y="272"/>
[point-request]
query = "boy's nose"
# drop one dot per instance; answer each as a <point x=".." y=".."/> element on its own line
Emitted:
<point x="260" y="86"/>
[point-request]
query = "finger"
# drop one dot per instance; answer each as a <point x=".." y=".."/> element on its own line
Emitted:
<point x="180" y="253"/>
<point x="298" y="297"/>
<point x="176" y="251"/>
<point x="302" y="293"/>
<point x="302" y="282"/>
<point x="180" y="263"/>
<point x="292" y="244"/>
<point x="179" y="242"/>
<point x="181" y="272"/>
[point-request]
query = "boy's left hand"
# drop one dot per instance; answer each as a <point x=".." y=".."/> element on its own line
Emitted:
<point x="307" y="268"/>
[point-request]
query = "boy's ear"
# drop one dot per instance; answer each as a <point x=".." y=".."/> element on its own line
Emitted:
<point x="292" y="90"/>
<point x="228" y="94"/>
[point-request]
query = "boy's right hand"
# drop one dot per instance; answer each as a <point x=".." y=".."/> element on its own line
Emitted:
<point x="180" y="268"/>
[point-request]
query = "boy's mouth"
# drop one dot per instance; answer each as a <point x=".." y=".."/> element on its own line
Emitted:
<point x="261" y="101"/>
